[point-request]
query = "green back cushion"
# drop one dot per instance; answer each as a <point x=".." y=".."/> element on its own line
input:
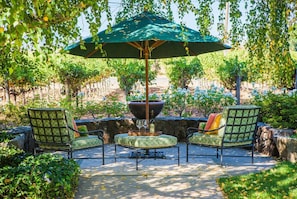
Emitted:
<point x="240" y="121"/>
<point x="50" y="125"/>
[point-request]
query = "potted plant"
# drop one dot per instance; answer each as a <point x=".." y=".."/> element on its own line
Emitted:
<point x="136" y="104"/>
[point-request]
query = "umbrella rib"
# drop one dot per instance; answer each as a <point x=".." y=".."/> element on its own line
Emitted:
<point x="138" y="46"/>
<point x="188" y="50"/>
<point x="157" y="44"/>
<point x="94" y="51"/>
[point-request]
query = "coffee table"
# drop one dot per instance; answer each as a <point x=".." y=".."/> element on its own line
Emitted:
<point x="146" y="143"/>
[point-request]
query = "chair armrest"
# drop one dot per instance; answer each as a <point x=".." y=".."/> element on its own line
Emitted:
<point x="192" y="130"/>
<point x="207" y="131"/>
<point x="98" y="132"/>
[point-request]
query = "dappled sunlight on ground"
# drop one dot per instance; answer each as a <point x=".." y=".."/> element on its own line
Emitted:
<point x="162" y="178"/>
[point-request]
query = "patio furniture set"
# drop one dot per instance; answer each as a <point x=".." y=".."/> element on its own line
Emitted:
<point x="54" y="129"/>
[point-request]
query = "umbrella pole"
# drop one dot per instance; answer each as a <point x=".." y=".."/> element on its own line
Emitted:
<point x="146" y="55"/>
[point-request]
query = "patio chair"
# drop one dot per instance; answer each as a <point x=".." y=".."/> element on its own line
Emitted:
<point x="236" y="128"/>
<point x="54" y="129"/>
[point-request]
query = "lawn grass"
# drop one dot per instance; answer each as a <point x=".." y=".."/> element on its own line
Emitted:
<point x="278" y="182"/>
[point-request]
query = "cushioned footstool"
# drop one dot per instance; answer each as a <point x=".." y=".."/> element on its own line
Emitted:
<point x="145" y="143"/>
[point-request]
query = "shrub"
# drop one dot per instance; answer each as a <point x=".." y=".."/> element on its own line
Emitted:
<point x="5" y="136"/>
<point x="180" y="72"/>
<point x="141" y="96"/>
<point x="176" y="101"/>
<point x="110" y="106"/>
<point x="229" y="70"/>
<point x="211" y="101"/>
<point x="43" y="176"/>
<point x="11" y="156"/>
<point x="277" y="110"/>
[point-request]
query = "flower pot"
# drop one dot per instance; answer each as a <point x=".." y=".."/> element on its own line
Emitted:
<point x="137" y="108"/>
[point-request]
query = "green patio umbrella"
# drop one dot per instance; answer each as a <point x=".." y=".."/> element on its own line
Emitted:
<point x="146" y="36"/>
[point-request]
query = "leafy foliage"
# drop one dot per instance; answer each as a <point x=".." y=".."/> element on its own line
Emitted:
<point x="109" y="107"/>
<point x="268" y="40"/>
<point x="129" y="72"/>
<point x="229" y="71"/>
<point x="72" y="75"/>
<point x="5" y="136"/>
<point x="43" y="176"/>
<point x="185" y="103"/>
<point x="278" y="182"/>
<point x="19" y="74"/>
<point x="181" y="73"/>
<point x="10" y="156"/>
<point x="211" y="101"/>
<point x="44" y="26"/>
<point x="176" y="101"/>
<point x="278" y="110"/>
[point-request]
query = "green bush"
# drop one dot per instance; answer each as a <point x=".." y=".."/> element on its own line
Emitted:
<point x="5" y="136"/>
<point x="230" y="70"/>
<point x="43" y="176"/>
<point x="278" y="110"/>
<point x="180" y="72"/>
<point x="211" y="101"/>
<point x="176" y="101"/>
<point x="11" y="156"/>
<point x="186" y="103"/>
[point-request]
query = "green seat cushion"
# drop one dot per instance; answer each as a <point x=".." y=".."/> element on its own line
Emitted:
<point x="213" y="140"/>
<point x="205" y="139"/>
<point x="145" y="142"/>
<point x="78" y="143"/>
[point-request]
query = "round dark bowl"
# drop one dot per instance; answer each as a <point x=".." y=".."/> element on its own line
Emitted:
<point x="137" y="108"/>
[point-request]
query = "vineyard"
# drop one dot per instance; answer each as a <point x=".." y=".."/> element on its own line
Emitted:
<point x="100" y="90"/>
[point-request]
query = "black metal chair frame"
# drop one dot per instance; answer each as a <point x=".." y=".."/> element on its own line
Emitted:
<point x="61" y="139"/>
<point x="139" y="157"/>
<point x="235" y="136"/>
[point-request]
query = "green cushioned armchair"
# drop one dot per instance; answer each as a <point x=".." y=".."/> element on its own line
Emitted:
<point x="54" y="130"/>
<point x="237" y="128"/>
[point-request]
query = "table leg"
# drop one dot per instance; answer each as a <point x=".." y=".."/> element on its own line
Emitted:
<point x="136" y="159"/>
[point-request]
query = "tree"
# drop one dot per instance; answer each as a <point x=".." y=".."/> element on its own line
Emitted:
<point x="45" y="25"/>
<point x="268" y="28"/>
<point x="19" y="74"/>
<point x="181" y="72"/>
<point x="73" y="75"/>
<point x="230" y="70"/>
<point x="129" y="72"/>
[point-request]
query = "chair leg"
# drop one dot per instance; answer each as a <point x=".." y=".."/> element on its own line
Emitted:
<point x="70" y="154"/>
<point x="103" y="159"/>
<point x="217" y="152"/>
<point x="221" y="156"/>
<point x="187" y="150"/>
<point x="34" y="151"/>
<point x="252" y="154"/>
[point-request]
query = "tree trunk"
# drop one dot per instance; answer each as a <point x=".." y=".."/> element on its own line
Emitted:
<point x="7" y="95"/>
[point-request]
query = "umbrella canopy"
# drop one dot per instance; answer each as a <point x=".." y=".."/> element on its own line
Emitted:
<point x="146" y="36"/>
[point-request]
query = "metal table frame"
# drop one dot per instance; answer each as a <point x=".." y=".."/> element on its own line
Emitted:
<point x="139" y="156"/>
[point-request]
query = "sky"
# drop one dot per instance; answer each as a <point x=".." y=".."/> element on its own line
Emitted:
<point x="188" y="20"/>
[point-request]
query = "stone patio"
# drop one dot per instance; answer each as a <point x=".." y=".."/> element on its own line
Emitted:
<point x="162" y="178"/>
